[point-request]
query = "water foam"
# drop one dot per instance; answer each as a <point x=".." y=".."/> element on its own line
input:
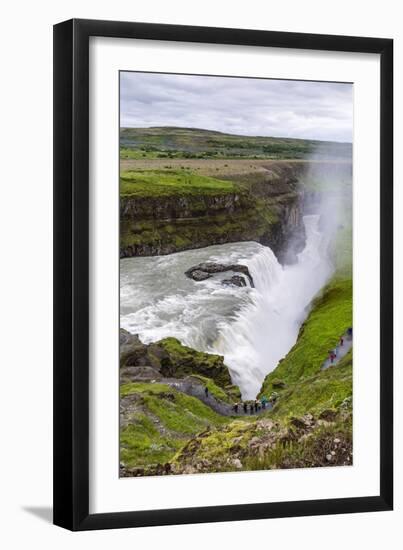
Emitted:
<point x="252" y="327"/>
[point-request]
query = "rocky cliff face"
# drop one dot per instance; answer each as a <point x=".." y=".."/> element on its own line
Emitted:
<point x="267" y="209"/>
<point x="168" y="358"/>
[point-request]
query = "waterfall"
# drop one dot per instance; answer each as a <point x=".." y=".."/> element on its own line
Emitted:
<point x="265" y="329"/>
<point x="253" y="328"/>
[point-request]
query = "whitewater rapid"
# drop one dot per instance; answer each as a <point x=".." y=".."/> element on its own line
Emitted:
<point x="253" y="328"/>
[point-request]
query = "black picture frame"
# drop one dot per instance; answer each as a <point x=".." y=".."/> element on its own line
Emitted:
<point x="71" y="274"/>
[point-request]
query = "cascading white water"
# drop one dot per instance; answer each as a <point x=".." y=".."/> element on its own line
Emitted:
<point x="265" y="330"/>
<point x="252" y="327"/>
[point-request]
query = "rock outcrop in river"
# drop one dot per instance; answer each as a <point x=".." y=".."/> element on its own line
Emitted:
<point x="206" y="270"/>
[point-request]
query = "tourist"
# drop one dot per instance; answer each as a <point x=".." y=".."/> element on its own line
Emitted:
<point x="341" y="341"/>
<point x="236" y="408"/>
<point x="206" y="391"/>
<point x="245" y="408"/>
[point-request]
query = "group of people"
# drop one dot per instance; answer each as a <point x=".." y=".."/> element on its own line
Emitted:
<point x="334" y="352"/>
<point x="253" y="407"/>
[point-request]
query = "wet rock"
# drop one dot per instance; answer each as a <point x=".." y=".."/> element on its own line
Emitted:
<point x="210" y="268"/>
<point x="236" y="280"/>
<point x="199" y="275"/>
<point x="132" y="351"/>
<point x="126" y="338"/>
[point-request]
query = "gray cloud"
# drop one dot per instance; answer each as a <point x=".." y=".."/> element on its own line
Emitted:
<point x="260" y="107"/>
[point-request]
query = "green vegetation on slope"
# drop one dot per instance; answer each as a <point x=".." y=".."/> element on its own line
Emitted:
<point x="229" y="394"/>
<point x="326" y="390"/>
<point x="311" y="450"/>
<point x="158" y="421"/>
<point x="330" y="316"/>
<point x="267" y="443"/>
<point x="182" y="361"/>
<point x="169" y="358"/>
<point x="172" y="210"/>
<point x="163" y="183"/>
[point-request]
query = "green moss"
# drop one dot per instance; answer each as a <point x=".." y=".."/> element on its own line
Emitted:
<point x="324" y="391"/>
<point x="143" y="387"/>
<point x="183" y="361"/>
<point x="219" y="443"/>
<point x="228" y="395"/>
<point x="205" y="227"/>
<point x="306" y="452"/>
<point x="183" y="414"/>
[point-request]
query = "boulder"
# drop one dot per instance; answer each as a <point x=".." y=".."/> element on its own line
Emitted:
<point x="199" y="275"/>
<point x="169" y="358"/>
<point x="210" y="268"/>
<point x="236" y="280"/>
<point x="180" y="361"/>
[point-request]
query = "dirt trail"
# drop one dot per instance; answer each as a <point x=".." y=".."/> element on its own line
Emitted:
<point x="196" y="388"/>
<point x="341" y="351"/>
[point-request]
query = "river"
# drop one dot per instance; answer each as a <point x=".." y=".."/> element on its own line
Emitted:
<point x="253" y="328"/>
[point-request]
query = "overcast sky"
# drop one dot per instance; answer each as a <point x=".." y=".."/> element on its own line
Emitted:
<point x="256" y="107"/>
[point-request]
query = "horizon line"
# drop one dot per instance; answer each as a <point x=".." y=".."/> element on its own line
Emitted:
<point x="236" y="135"/>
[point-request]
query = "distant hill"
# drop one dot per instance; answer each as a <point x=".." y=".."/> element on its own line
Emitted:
<point x="177" y="142"/>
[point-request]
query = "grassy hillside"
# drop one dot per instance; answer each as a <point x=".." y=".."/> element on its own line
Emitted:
<point x="330" y="316"/>
<point x="158" y="420"/>
<point x="172" y="142"/>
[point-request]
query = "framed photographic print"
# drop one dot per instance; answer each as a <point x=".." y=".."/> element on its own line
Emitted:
<point x="223" y="322"/>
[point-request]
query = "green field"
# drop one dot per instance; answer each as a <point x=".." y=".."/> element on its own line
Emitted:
<point x="164" y="183"/>
<point x="188" y="143"/>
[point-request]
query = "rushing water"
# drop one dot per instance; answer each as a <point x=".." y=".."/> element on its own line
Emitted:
<point x="252" y="327"/>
